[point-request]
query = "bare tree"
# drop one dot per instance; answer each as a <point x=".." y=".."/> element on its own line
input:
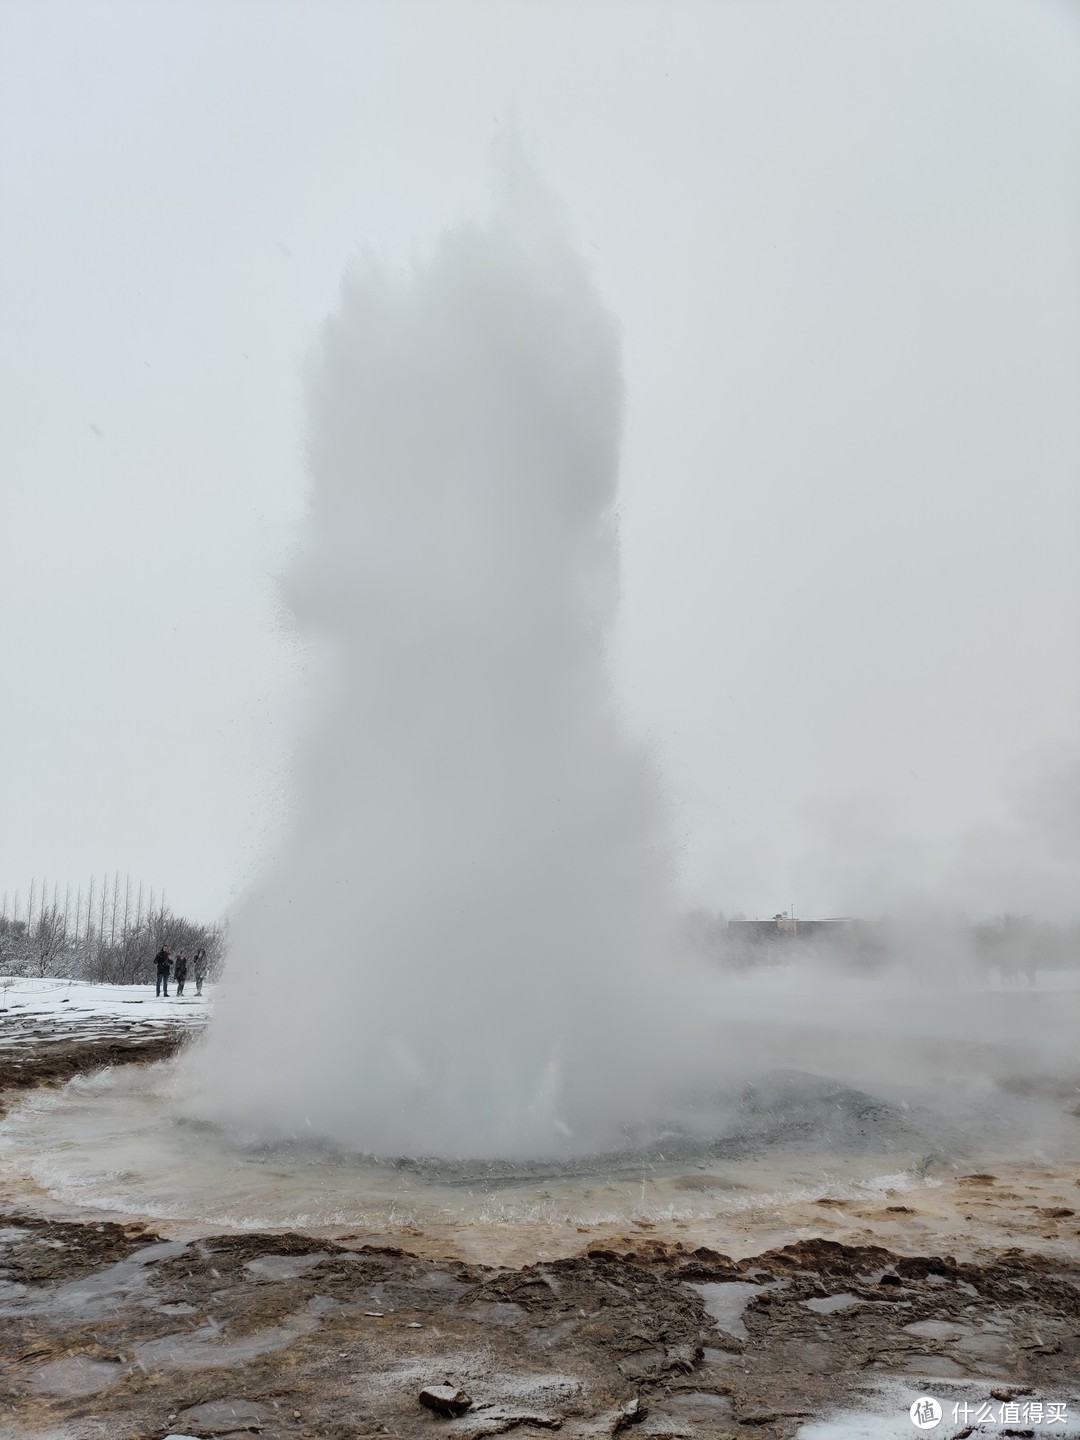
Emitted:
<point x="101" y="920"/>
<point x="89" y="909"/>
<point x="48" y="940"/>
<point x="115" y="906"/>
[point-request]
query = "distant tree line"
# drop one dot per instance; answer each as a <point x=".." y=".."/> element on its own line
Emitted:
<point x="107" y="931"/>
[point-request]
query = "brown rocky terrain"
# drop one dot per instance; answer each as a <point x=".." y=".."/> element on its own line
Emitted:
<point x="109" y="1330"/>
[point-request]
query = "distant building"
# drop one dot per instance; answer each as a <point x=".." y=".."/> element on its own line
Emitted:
<point x="785" y="927"/>
<point x="860" y="940"/>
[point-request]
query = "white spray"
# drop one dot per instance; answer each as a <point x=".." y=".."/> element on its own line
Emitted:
<point x="461" y="947"/>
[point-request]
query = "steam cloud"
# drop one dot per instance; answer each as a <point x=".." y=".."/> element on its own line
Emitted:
<point x="461" y="945"/>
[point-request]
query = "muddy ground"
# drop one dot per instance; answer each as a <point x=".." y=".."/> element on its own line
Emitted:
<point x="52" y="1060"/>
<point x="111" y="1329"/>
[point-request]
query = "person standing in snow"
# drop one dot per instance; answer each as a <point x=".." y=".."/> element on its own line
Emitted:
<point x="180" y="972"/>
<point x="163" y="962"/>
<point x="199" y="964"/>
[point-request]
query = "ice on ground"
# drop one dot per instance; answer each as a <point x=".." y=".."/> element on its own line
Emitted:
<point x="725" y="1301"/>
<point x="888" y="1415"/>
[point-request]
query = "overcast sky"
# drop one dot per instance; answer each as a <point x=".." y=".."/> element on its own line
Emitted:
<point x="842" y="240"/>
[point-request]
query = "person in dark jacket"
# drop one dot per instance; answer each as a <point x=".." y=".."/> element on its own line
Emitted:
<point x="199" y="964"/>
<point x="180" y="971"/>
<point x="163" y="963"/>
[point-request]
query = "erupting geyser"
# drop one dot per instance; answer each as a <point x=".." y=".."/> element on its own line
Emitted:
<point x="461" y="948"/>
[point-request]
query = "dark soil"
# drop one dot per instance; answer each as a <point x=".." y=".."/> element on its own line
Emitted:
<point x="56" y="1063"/>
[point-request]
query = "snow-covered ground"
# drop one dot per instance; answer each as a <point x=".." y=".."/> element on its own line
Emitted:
<point x="58" y="998"/>
<point x="34" y="1010"/>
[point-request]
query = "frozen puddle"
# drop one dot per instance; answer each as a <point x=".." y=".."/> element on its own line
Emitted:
<point x="93" y="1295"/>
<point x="860" y="1425"/>
<point x="888" y="1415"/>
<point x="943" y="1330"/>
<point x="200" y="1349"/>
<point x="73" y="1376"/>
<point x="725" y="1301"/>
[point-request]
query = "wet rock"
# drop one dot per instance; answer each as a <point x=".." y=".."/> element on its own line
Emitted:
<point x="496" y="1312"/>
<point x="643" y="1364"/>
<point x="705" y="1406"/>
<point x="833" y="1304"/>
<point x="990" y="1349"/>
<point x="555" y="1334"/>
<point x="934" y="1367"/>
<point x="498" y="1419"/>
<point x="632" y="1413"/>
<point x="445" y="1400"/>
<point x="668" y="1427"/>
<point x="682" y="1358"/>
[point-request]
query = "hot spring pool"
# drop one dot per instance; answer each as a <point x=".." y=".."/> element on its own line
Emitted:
<point x="118" y="1142"/>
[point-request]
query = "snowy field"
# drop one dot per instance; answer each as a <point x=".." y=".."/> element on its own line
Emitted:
<point x="33" y="1011"/>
